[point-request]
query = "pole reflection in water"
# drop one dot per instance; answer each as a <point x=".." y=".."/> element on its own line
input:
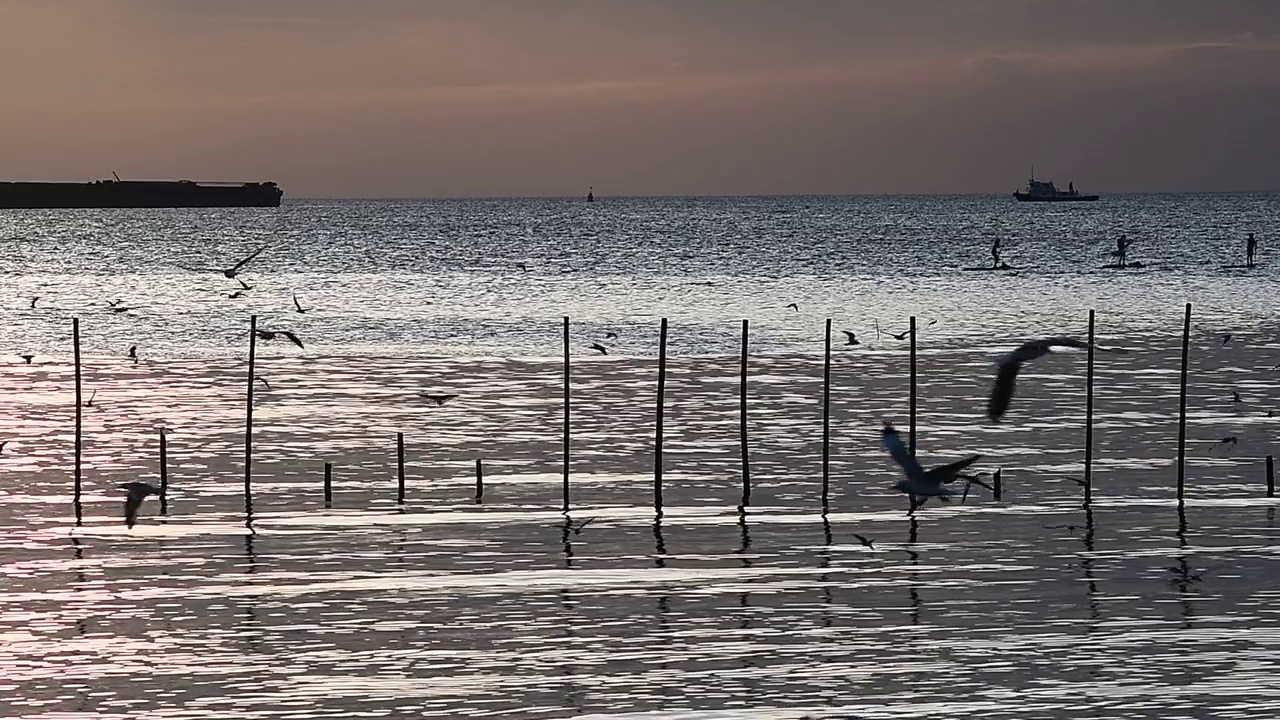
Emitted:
<point x="1183" y="576"/>
<point x="567" y="547"/>
<point x="824" y="580"/>
<point x="913" y="593"/>
<point x="1086" y="564"/>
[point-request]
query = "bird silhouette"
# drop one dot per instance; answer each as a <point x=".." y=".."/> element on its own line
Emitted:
<point x="852" y="338"/>
<point x="244" y="285"/>
<point x="262" y="380"/>
<point x="438" y="399"/>
<point x="577" y="530"/>
<point x="28" y="358"/>
<point x="1228" y="440"/>
<point x="34" y="300"/>
<point x="138" y="491"/>
<point x="297" y="306"/>
<point x="921" y="483"/>
<point x="235" y="295"/>
<point x="114" y="303"/>
<point x="611" y="335"/>
<point x="1226" y="339"/>
<point x="794" y="306"/>
<point x="1235" y="397"/>
<point x="92" y="395"/>
<point x="133" y="353"/>
<point x="269" y="335"/>
<point x="865" y="541"/>
<point x="231" y="271"/>
<point x="599" y="348"/>
<point x="119" y="309"/>
<point x="1011" y="363"/>
<point x="900" y="336"/>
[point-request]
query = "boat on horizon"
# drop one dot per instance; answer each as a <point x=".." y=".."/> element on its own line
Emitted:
<point x="1046" y="191"/>
<point x="117" y="193"/>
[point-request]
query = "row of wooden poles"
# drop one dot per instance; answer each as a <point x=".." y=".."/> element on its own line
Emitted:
<point x="658" y="427"/>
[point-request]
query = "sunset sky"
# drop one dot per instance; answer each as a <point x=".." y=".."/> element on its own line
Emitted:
<point x="426" y="98"/>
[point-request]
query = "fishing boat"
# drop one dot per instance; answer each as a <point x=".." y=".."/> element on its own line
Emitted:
<point x="1046" y="191"/>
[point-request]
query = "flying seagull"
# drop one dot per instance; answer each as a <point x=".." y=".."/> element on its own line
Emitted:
<point x="577" y="530"/>
<point x="244" y="285"/>
<point x="138" y="491"/>
<point x="33" y="302"/>
<point x="92" y="395"/>
<point x="270" y="335"/>
<point x="866" y="542"/>
<point x="1228" y="440"/>
<point x="1010" y="364"/>
<point x="900" y="336"/>
<point x="262" y="380"/>
<point x="611" y="335"/>
<point x="1226" y="339"/>
<point x="235" y="295"/>
<point x="438" y="399"/>
<point x="231" y="272"/>
<point x="133" y="353"/>
<point x="297" y="306"/>
<point x="600" y="348"/>
<point x="794" y="306"/>
<point x="918" y="481"/>
<point x="114" y="303"/>
<point x="119" y="309"/>
<point x="853" y="339"/>
<point x="28" y="358"/>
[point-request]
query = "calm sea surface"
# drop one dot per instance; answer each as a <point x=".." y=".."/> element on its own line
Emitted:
<point x="1025" y="607"/>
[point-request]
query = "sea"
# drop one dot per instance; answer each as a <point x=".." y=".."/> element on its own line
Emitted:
<point x="716" y="536"/>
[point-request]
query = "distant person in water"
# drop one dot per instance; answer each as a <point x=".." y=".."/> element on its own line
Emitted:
<point x="995" y="253"/>
<point x="1122" y="250"/>
<point x="1250" y="250"/>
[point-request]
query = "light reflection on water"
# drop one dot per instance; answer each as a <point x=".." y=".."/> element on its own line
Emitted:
<point x="1029" y="607"/>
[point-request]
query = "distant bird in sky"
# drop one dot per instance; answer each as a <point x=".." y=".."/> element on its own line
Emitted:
<point x="269" y="335"/>
<point x="138" y="491"/>
<point x="852" y="338"/>
<point x="611" y="335"/>
<point x="92" y="395"/>
<point x="1011" y="363"/>
<point x="921" y="483"/>
<point x="118" y="309"/>
<point x="28" y="358"/>
<point x="298" y="306"/>
<point x="932" y="322"/>
<point x="244" y="285"/>
<point x="794" y="306"/>
<point x="114" y="303"/>
<point x="231" y="271"/>
<point x="599" y="348"/>
<point x="133" y="353"/>
<point x="262" y="380"/>
<point x="866" y="542"/>
<point x="439" y="399"/>
<point x="577" y="530"/>
<point x="34" y="300"/>
<point x="1226" y="339"/>
<point x="900" y="336"/>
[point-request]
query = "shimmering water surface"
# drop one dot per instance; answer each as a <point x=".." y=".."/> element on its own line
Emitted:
<point x="1026" y="607"/>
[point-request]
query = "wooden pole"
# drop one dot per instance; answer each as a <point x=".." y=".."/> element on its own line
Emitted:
<point x="164" y="473"/>
<point x="399" y="468"/>
<point x="911" y="443"/>
<point x="826" y="419"/>
<point x="657" y="430"/>
<point x="997" y="489"/>
<point x="75" y="344"/>
<point x="1271" y="477"/>
<point x="1088" y="419"/>
<point x="479" y="481"/>
<point x="328" y="485"/>
<point x="742" y="417"/>
<point x="564" y="481"/>
<point x="1182" y="402"/>
<point x="248" y="418"/>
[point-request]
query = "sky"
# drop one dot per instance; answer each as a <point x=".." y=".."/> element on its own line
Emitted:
<point x="485" y="98"/>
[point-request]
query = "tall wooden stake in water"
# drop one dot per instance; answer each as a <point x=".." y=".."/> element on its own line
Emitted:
<point x="75" y="344"/>
<point x="826" y="419"/>
<point x="1182" y="402"/>
<point x="911" y="442"/>
<point x="399" y="468"/>
<point x="564" y="481"/>
<point x="479" y="481"/>
<point x="742" y="419"/>
<point x="164" y="473"/>
<point x="328" y="485"/>
<point x="997" y="486"/>
<point x="1271" y="477"/>
<point x="248" y="418"/>
<point x="1088" y="419"/>
<point x="657" y="430"/>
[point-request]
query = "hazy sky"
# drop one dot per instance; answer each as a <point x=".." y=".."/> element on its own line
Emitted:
<point x="414" y="98"/>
